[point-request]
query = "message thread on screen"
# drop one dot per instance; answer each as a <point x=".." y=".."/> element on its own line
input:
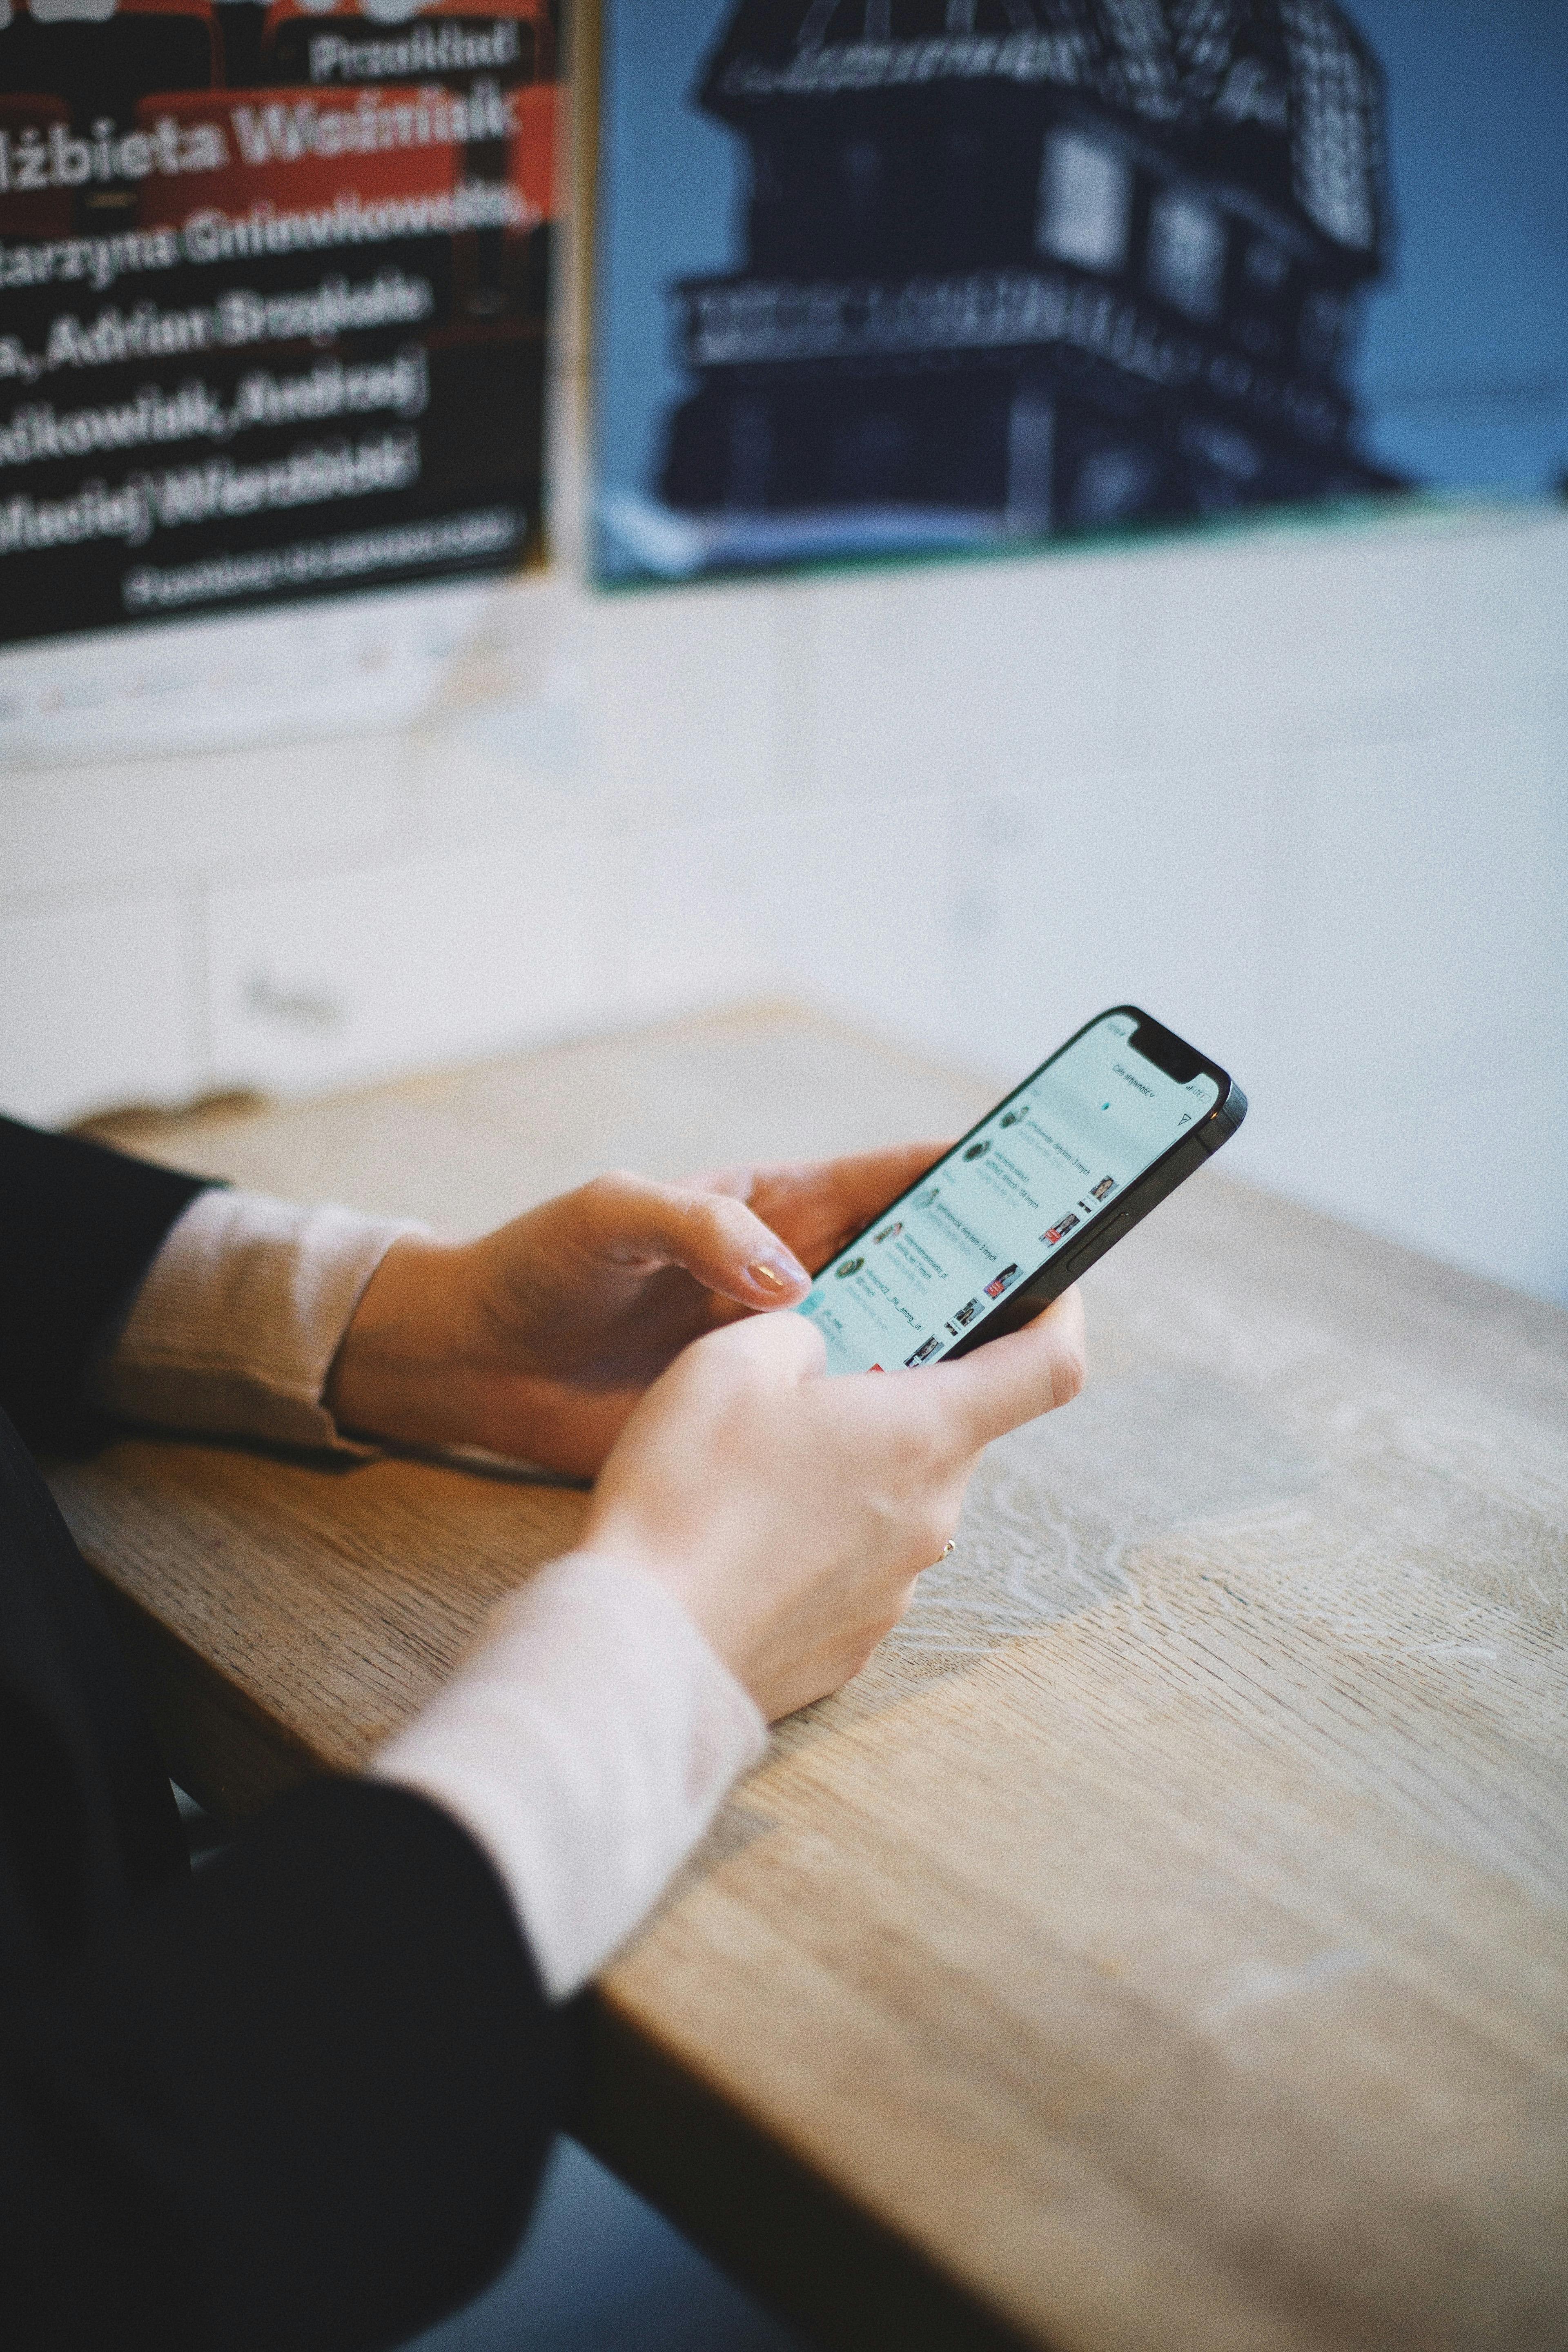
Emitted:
<point x="1056" y="1156"/>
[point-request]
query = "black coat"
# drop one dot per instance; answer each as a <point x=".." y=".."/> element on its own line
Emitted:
<point x="298" y="2100"/>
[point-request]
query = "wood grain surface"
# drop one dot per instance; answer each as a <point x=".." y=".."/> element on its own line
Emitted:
<point x="1163" y="1942"/>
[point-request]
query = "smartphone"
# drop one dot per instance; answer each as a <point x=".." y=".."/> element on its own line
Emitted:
<point x="1048" y="1180"/>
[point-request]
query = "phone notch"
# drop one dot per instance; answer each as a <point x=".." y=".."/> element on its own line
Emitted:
<point x="1169" y="1054"/>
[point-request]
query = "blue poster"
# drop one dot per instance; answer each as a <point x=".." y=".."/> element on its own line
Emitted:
<point x="893" y="275"/>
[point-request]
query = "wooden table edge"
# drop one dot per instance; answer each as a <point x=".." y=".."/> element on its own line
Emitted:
<point x="817" y="2255"/>
<point x="196" y="1714"/>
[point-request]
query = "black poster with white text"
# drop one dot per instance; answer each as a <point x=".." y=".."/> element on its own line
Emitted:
<point x="273" y="288"/>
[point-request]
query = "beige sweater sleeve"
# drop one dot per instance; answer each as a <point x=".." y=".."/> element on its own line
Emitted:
<point x="587" y="1743"/>
<point x="238" y="1320"/>
<point x="590" y="1736"/>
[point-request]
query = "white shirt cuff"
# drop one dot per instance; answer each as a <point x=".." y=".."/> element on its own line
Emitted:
<point x="586" y="1743"/>
<point x="237" y="1320"/>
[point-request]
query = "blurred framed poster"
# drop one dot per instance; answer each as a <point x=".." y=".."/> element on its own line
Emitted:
<point x="273" y="288"/>
<point x="881" y="276"/>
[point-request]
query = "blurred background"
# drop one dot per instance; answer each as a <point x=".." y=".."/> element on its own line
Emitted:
<point x="1295" y="785"/>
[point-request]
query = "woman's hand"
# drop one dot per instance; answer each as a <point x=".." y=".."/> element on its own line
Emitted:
<point x="538" y="1340"/>
<point x="791" y="1512"/>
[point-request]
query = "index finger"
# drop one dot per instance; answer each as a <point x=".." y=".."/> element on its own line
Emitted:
<point x="818" y="1206"/>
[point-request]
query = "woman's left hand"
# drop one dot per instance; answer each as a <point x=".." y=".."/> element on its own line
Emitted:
<point x="537" y="1341"/>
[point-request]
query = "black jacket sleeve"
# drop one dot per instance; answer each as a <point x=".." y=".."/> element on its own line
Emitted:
<point x="80" y="1225"/>
<point x="301" y="2101"/>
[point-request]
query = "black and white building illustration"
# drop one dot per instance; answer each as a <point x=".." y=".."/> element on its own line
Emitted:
<point x="1027" y="267"/>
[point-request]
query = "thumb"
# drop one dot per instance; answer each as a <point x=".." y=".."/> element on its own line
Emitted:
<point x="1010" y="1381"/>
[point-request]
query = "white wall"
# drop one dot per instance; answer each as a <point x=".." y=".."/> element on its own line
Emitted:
<point x="1301" y="791"/>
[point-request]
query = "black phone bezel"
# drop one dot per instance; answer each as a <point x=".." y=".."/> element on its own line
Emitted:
<point x="1172" y="1054"/>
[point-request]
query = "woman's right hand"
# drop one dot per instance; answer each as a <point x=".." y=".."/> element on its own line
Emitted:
<point x="791" y="1512"/>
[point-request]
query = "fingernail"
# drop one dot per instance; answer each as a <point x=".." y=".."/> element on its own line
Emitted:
<point x="777" y="1275"/>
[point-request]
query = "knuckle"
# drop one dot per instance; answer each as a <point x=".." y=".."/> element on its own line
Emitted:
<point x="712" y="1222"/>
<point x="1069" y="1372"/>
<point x="733" y="1181"/>
<point x="931" y="1460"/>
<point x="609" y="1190"/>
<point x="895" y="1611"/>
<point x="724" y="1219"/>
<point x="935" y="1526"/>
<point x="854" y="1656"/>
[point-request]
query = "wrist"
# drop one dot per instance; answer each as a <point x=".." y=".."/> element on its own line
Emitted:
<point x="406" y="1359"/>
<point x="713" y="1602"/>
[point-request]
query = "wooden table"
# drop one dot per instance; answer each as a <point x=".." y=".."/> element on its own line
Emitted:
<point x="1163" y="1942"/>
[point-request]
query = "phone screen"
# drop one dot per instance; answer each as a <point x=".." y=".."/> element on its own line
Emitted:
<point x="1040" y="1168"/>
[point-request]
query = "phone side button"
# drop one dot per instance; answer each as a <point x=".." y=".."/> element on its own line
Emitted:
<point x="1094" y="1245"/>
